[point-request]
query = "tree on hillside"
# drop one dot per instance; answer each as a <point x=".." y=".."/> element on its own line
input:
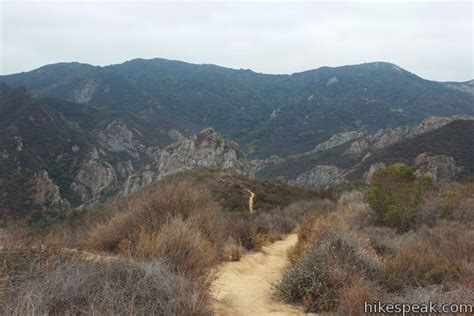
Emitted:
<point x="395" y="195"/>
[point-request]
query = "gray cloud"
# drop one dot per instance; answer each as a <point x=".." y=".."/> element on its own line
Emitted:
<point x="431" y="39"/>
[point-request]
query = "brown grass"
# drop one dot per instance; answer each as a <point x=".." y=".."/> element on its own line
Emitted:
<point x="181" y="246"/>
<point x="232" y="250"/>
<point x="120" y="287"/>
<point x="177" y="228"/>
<point x="436" y="254"/>
<point x="354" y="293"/>
<point x="415" y="268"/>
<point x="148" y="210"/>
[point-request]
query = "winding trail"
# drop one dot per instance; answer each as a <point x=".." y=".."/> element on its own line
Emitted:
<point x="245" y="287"/>
<point x="251" y="200"/>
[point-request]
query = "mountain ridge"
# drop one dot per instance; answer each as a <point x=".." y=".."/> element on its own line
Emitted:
<point x="301" y="109"/>
<point x="170" y="60"/>
<point x="75" y="134"/>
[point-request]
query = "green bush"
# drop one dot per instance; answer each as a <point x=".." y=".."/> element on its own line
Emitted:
<point x="395" y="196"/>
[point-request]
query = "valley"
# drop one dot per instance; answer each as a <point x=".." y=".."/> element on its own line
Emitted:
<point x="80" y="135"/>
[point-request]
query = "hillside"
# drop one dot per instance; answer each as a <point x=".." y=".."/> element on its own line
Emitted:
<point x="55" y="153"/>
<point x="266" y="114"/>
<point x="336" y="160"/>
<point x="451" y="141"/>
<point x="81" y="135"/>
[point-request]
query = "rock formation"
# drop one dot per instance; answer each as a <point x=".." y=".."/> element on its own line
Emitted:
<point x="320" y="176"/>
<point x="438" y="167"/>
<point x="95" y="178"/>
<point x="205" y="149"/>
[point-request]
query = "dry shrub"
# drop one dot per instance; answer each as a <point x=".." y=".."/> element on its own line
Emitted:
<point x="447" y="201"/>
<point x="259" y="239"/>
<point x="17" y="260"/>
<point x="318" y="275"/>
<point x="354" y="208"/>
<point x="148" y="209"/>
<point x="108" y="235"/>
<point x="342" y="260"/>
<point x="196" y="192"/>
<point x="453" y="241"/>
<point x="212" y="223"/>
<point x="355" y="293"/>
<point x="115" y="287"/>
<point x="316" y="231"/>
<point x="254" y="230"/>
<point x="447" y="247"/>
<point x="438" y="294"/>
<point x="273" y="225"/>
<point x="450" y="245"/>
<point x="416" y="268"/>
<point x="183" y="247"/>
<point x="456" y="202"/>
<point x="350" y="200"/>
<point x="240" y="228"/>
<point x="380" y="239"/>
<point x="232" y="250"/>
<point x="380" y="246"/>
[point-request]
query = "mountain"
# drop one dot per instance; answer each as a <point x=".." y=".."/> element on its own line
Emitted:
<point x="267" y="115"/>
<point x="81" y="135"/>
<point x="467" y="86"/>
<point x="56" y="155"/>
<point x="328" y="162"/>
<point x="46" y="145"/>
<point x="205" y="149"/>
<point x="445" y="152"/>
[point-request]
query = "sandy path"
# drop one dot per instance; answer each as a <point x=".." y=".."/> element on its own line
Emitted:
<point x="245" y="287"/>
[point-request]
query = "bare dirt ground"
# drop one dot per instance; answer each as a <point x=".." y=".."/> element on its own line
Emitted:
<point x="245" y="287"/>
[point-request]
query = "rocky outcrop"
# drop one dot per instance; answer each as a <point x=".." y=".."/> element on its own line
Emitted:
<point x="117" y="137"/>
<point x="257" y="164"/>
<point x="124" y="169"/>
<point x="467" y="86"/>
<point x="320" y="176"/>
<point x="95" y="178"/>
<point x="47" y="195"/>
<point x="438" y="167"/>
<point x="434" y="122"/>
<point x="363" y="142"/>
<point x="175" y="135"/>
<point x="338" y="139"/>
<point x="135" y="182"/>
<point x="85" y="91"/>
<point x="206" y="149"/>
<point x="388" y="136"/>
<point x="357" y="148"/>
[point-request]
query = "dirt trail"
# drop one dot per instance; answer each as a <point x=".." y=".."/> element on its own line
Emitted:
<point x="251" y="200"/>
<point x="245" y="287"/>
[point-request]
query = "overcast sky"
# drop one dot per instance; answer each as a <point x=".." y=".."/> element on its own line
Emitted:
<point x="431" y="39"/>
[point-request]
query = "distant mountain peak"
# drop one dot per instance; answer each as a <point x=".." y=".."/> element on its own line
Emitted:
<point x="311" y="105"/>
